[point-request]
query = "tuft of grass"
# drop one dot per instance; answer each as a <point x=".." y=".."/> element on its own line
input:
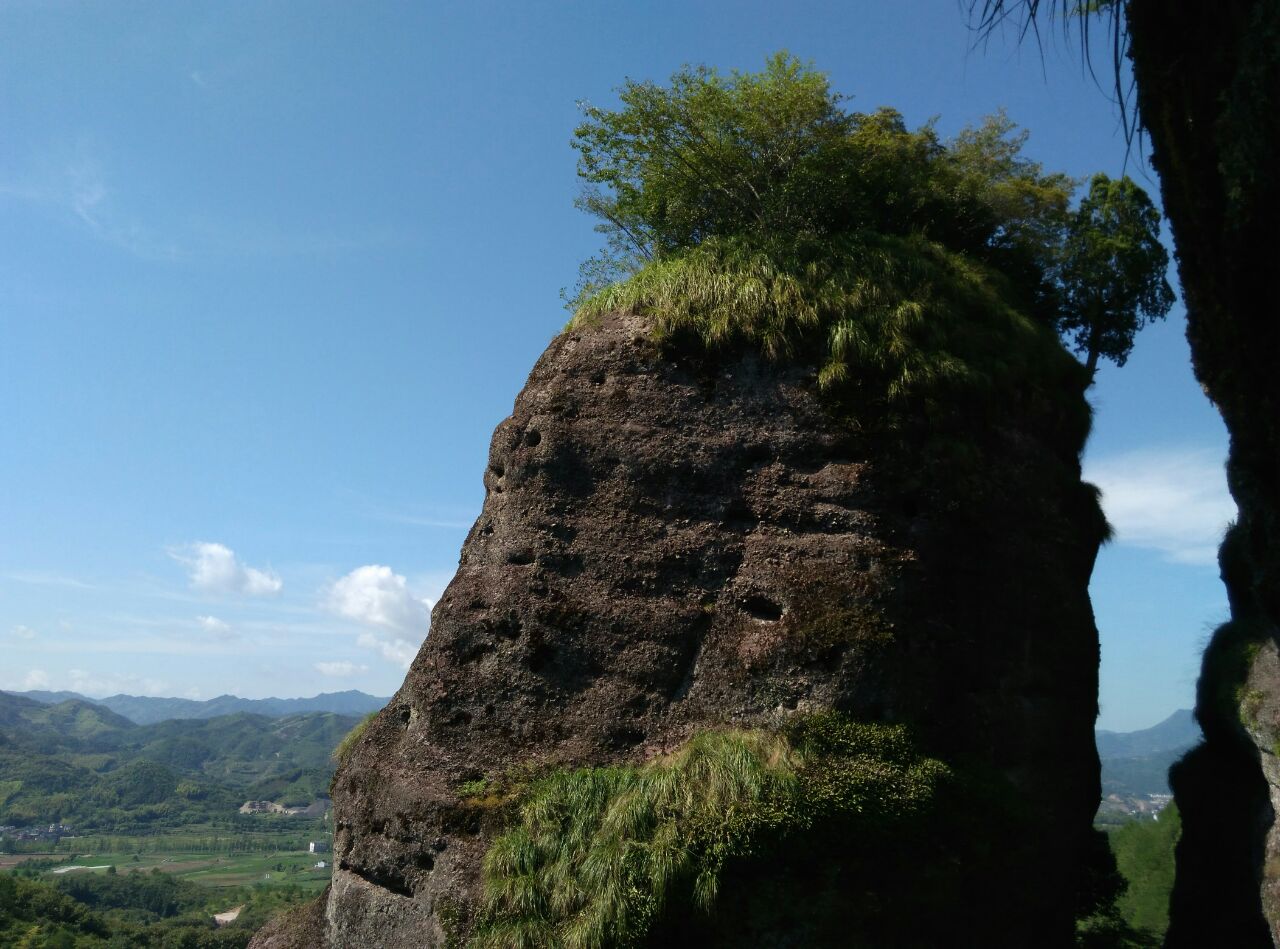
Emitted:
<point x="348" y="743"/>
<point x="598" y="853"/>
<point x="898" y="320"/>
<point x="476" y="788"/>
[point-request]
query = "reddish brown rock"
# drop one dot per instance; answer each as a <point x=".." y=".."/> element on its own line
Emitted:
<point x="670" y="543"/>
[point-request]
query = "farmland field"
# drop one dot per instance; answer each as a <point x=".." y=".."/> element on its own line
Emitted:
<point x="266" y="860"/>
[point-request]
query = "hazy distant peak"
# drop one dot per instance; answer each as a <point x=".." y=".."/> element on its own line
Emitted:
<point x="1176" y="732"/>
<point x="145" y="710"/>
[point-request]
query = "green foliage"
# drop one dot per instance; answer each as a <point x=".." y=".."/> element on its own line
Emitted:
<point x="156" y="893"/>
<point x="476" y="788"/>
<point x="755" y="208"/>
<point x="898" y="320"/>
<point x="775" y="155"/>
<point x="1144" y="854"/>
<point x="1113" y="271"/>
<point x="83" y="765"/>
<point x="599" y="853"/>
<point x="1110" y="931"/>
<point x="713" y="156"/>
<point x="344" y="747"/>
<point x="139" y="782"/>
<point x="137" y="910"/>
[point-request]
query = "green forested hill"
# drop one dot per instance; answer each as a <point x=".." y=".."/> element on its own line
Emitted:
<point x="72" y="725"/>
<point x="84" y="765"/>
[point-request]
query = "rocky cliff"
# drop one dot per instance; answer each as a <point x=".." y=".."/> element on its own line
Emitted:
<point x="1208" y="83"/>
<point x="673" y="544"/>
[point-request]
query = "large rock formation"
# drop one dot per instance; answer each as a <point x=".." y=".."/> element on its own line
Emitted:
<point x="1208" y="83"/>
<point x="672" y="542"/>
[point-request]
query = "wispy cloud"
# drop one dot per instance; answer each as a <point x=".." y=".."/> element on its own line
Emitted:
<point x="24" y="632"/>
<point x="214" y="569"/>
<point x="78" y="185"/>
<point x="220" y="629"/>
<point x="79" y="188"/>
<point x="39" y="578"/>
<point x="340" y="669"/>
<point x="440" y="517"/>
<point x="1172" y="500"/>
<point x="397" y="650"/>
<point x="145" y="645"/>
<point x="99" y="684"/>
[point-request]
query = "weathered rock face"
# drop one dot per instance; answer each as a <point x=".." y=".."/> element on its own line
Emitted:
<point x="1208" y="81"/>
<point x="670" y="543"/>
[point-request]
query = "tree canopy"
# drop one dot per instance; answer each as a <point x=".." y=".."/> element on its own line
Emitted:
<point x="770" y="175"/>
<point x="1113" y="271"/>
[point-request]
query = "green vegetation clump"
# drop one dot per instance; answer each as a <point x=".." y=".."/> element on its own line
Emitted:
<point x="140" y="910"/>
<point x="1113" y="271"/>
<point x="475" y="788"/>
<point x="599" y="853"/>
<point x="1144" y="855"/>
<point x="754" y="208"/>
<point x="159" y="894"/>
<point x="348" y="743"/>
<point x="897" y="319"/>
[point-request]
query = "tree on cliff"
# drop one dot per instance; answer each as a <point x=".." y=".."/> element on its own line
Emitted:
<point x="1113" y="271"/>
<point x="769" y="175"/>
<point x="774" y="156"/>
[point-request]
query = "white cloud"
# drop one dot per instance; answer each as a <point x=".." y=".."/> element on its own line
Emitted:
<point x="24" y="632"/>
<point x="400" y="651"/>
<point x="215" y="569"/>
<point x="338" y="669"/>
<point x="1172" y="500"/>
<point x="35" y="679"/>
<point x="375" y="596"/>
<point x="216" y="627"/>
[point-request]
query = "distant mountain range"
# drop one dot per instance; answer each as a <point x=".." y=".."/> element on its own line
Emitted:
<point x="1177" y="732"/>
<point x="1135" y="765"/>
<point x="146" y="710"/>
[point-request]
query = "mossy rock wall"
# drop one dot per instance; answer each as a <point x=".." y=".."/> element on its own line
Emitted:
<point x="1208" y="84"/>
<point x="673" y="542"/>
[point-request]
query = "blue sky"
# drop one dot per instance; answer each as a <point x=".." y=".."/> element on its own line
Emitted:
<point x="270" y="273"/>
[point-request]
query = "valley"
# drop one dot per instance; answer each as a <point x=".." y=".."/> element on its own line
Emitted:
<point x="118" y="830"/>
<point x="113" y="826"/>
